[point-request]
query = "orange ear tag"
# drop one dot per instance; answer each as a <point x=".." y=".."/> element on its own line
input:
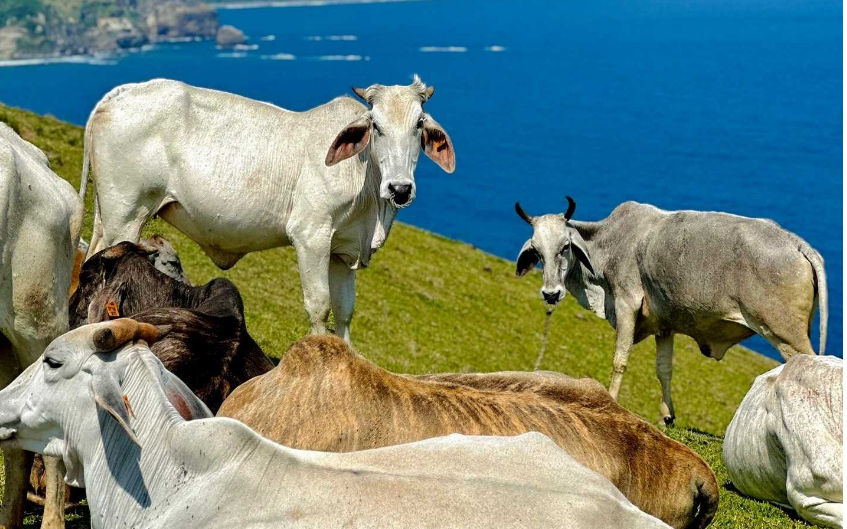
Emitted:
<point x="112" y="309"/>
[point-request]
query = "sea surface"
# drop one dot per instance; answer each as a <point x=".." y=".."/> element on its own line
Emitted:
<point x="729" y="105"/>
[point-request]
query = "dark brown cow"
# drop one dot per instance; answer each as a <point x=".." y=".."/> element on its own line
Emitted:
<point x="324" y="396"/>
<point x="204" y="337"/>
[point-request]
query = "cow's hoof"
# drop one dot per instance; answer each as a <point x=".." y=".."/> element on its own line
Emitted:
<point x="668" y="420"/>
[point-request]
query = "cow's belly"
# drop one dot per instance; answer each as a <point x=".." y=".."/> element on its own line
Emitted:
<point x="236" y="228"/>
<point x="714" y="328"/>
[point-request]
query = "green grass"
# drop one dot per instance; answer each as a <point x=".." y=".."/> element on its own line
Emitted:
<point x="430" y="304"/>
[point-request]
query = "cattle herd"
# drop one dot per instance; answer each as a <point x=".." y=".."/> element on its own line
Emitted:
<point x="150" y="393"/>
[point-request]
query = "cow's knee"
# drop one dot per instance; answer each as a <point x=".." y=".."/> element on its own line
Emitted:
<point x="821" y="511"/>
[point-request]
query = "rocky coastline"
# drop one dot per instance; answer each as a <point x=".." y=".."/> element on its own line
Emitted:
<point x="44" y="29"/>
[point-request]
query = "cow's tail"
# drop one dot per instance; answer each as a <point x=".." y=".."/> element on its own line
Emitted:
<point x="816" y="261"/>
<point x="706" y="498"/>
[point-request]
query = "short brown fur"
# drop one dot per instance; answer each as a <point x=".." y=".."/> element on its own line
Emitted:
<point x="324" y="396"/>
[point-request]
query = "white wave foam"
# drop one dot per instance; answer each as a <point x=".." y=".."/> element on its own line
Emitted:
<point x="495" y="48"/>
<point x="448" y="49"/>
<point x="245" y="47"/>
<point x="279" y="57"/>
<point x="233" y="55"/>
<point x="299" y="3"/>
<point x="76" y="59"/>
<point x="318" y="38"/>
<point x="343" y="58"/>
<point x="269" y="37"/>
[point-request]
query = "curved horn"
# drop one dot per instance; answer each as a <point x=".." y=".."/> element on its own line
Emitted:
<point x="120" y="331"/>
<point x="522" y="214"/>
<point x="571" y="208"/>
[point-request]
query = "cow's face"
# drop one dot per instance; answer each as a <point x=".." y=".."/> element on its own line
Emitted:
<point x="79" y="372"/>
<point x="558" y="246"/>
<point x="396" y="127"/>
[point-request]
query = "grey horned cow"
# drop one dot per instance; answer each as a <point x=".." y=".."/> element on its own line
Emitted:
<point x="239" y="176"/>
<point x="716" y="277"/>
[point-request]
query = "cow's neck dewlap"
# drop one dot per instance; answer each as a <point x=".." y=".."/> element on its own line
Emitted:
<point x="129" y="489"/>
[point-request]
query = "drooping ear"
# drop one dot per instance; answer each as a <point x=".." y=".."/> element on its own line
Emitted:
<point x="108" y="395"/>
<point x="580" y="249"/>
<point x="437" y="145"/>
<point x="118" y="332"/>
<point x="527" y="259"/>
<point x="350" y="141"/>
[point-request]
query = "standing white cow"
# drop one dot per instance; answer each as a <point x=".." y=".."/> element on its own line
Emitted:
<point x="104" y="407"/>
<point x="239" y="176"/>
<point x="785" y="443"/>
<point x="39" y="230"/>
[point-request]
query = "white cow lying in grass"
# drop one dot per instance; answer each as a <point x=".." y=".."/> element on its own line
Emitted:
<point x="146" y="467"/>
<point x="785" y="442"/>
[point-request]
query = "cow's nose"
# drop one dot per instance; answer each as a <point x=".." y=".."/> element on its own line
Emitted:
<point x="552" y="297"/>
<point x="400" y="192"/>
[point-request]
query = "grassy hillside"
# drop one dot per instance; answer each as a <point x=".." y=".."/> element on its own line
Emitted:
<point x="430" y="304"/>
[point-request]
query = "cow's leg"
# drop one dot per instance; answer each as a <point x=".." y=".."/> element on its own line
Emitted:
<point x="123" y="217"/>
<point x="16" y="464"/>
<point x="313" y="263"/>
<point x="96" y="242"/>
<point x="342" y="289"/>
<point x="625" y="328"/>
<point x="54" y="496"/>
<point x="821" y="511"/>
<point x="664" y="370"/>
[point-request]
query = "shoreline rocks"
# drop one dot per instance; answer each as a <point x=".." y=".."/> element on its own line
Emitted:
<point x="230" y="36"/>
<point x="46" y="33"/>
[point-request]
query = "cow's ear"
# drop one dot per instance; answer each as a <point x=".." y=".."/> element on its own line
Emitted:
<point x="437" y="145"/>
<point x="581" y="250"/>
<point x="109" y="396"/>
<point x="350" y="141"/>
<point x="527" y="259"/>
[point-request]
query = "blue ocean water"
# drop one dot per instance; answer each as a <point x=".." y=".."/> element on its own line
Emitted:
<point x="731" y="105"/>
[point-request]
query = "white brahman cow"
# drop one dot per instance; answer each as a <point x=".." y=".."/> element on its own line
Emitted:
<point x="40" y="221"/>
<point x="785" y="443"/>
<point x="101" y="400"/>
<point x="239" y="176"/>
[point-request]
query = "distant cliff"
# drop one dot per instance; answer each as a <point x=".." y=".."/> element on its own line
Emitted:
<point x="56" y="28"/>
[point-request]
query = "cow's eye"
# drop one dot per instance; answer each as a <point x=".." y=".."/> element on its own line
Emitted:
<point x="420" y="123"/>
<point x="565" y="248"/>
<point x="52" y="362"/>
<point x="377" y="129"/>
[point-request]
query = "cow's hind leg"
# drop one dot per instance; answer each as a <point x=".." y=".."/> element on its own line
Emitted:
<point x="664" y="371"/>
<point x="342" y="290"/>
<point x="821" y="511"/>
<point x="123" y="218"/>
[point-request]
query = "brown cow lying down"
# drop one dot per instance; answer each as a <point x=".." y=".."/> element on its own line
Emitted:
<point x="324" y="396"/>
<point x="205" y="340"/>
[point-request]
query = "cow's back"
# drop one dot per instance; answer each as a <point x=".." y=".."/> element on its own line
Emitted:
<point x="455" y="481"/>
<point x="323" y="396"/>
<point x="228" y="171"/>
<point x="701" y="268"/>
